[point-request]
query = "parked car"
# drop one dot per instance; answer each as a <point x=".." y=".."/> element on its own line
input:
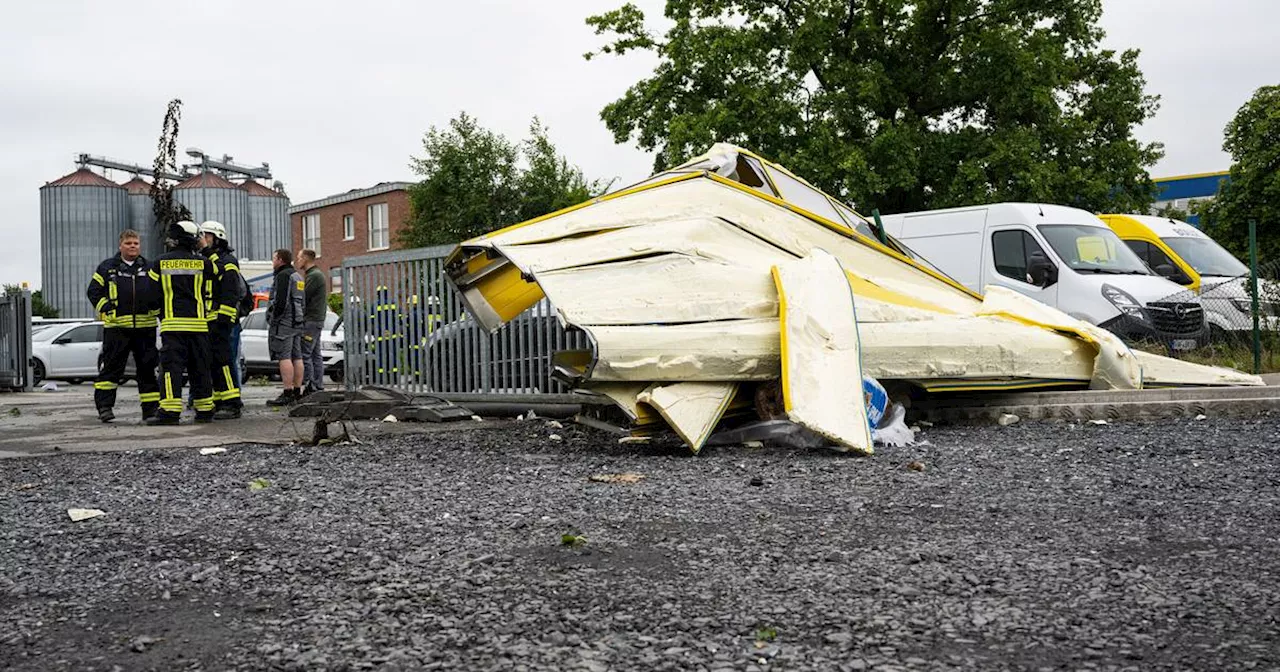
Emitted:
<point x="255" y="358"/>
<point x="66" y="351"/>
<point x="1189" y="257"/>
<point x="1064" y="257"/>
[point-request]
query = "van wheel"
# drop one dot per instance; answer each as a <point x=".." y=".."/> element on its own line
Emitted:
<point x="338" y="374"/>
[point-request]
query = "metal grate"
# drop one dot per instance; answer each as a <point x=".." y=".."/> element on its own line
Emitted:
<point x="15" y="341"/>
<point x="405" y="327"/>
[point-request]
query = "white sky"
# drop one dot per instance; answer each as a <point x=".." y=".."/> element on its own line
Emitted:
<point x="337" y="96"/>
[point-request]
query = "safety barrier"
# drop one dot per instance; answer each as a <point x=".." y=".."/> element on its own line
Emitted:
<point x="405" y="327"/>
<point x="15" y="340"/>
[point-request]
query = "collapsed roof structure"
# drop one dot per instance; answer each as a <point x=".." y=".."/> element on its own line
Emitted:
<point x="730" y="271"/>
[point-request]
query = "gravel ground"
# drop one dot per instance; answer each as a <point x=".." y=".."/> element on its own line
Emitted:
<point x="1034" y="546"/>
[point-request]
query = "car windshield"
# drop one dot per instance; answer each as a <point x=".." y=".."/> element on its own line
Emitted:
<point x="44" y="332"/>
<point x="1092" y="249"/>
<point x="1206" y="256"/>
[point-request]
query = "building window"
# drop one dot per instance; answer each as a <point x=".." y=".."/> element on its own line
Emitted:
<point x="311" y="232"/>
<point x="348" y="227"/>
<point x="379" y="233"/>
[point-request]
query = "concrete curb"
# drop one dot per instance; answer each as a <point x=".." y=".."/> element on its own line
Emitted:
<point x="1236" y="402"/>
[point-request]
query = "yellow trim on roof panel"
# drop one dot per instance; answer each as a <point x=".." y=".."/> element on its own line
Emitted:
<point x="1192" y="176"/>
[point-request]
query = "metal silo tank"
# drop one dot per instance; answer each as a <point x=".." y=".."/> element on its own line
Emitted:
<point x="268" y="222"/>
<point x="210" y="196"/>
<point x="142" y="217"/>
<point x="81" y="217"/>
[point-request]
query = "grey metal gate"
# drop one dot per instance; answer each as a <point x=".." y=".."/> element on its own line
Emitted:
<point x="405" y="327"/>
<point x="15" y="340"/>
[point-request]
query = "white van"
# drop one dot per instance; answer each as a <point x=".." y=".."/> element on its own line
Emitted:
<point x="1189" y="257"/>
<point x="1064" y="257"/>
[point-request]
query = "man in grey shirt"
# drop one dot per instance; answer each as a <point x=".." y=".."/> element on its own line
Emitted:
<point x="317" y="306"/>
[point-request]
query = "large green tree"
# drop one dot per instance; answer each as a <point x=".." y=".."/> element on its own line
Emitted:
<point x="896" y="104"/>
<point x="475" y="180"/>
<point x="1253" y="192"/>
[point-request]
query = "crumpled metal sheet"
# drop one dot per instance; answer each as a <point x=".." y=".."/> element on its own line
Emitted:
<point x="672" y="283"/>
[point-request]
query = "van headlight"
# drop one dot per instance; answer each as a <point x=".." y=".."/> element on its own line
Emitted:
<point x="331" y="346"/>
<point x="1245" y="306"/>
<point x="1124" y="303"/>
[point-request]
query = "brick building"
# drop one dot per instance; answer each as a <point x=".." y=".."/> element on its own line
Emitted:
<point x="353" y="223"/>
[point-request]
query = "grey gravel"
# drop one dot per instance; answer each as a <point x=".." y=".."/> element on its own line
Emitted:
<point x="1129" y="546"/>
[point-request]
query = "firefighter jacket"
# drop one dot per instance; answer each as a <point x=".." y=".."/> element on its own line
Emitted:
<point x="184" y="278"/>
<point x="124" y="295"/>
<point x="222" y="296"/>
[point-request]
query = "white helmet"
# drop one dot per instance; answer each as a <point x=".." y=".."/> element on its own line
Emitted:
<point x="215" y="228"/>
<point x="186" y="227"/>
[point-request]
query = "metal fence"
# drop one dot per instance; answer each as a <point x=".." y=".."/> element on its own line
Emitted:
<point x="15" y="340"/>
<point x="405" y="327"/>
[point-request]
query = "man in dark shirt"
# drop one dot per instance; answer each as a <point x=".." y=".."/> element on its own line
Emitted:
<point x="285" y="320"/>
<point x="314" y="312"/>
<point x="127" y="300"/>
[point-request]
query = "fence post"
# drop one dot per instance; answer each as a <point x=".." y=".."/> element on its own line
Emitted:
<point x="880" y="233"/>
<point x="1253" y="294"/>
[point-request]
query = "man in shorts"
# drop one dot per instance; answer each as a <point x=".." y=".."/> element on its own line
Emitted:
<point x="285" y="320"/>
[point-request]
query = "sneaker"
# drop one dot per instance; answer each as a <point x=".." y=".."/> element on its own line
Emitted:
<point x="286" y="397"/>
<point x="162" y="419"/>
<point x="226" y="413"/>
<point x="204" y="417"/>
<point x="106" y="415"/>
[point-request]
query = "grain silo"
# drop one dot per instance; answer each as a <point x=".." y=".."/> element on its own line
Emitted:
<point x="268" y="222"/>
<point x="81" y="217"/>
<point x="210" y="196"/>
<point x="142" y="217"/>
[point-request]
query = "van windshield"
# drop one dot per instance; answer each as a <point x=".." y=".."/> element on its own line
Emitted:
<point x="1206" y="256"/>
<point x="1092" y="249"/>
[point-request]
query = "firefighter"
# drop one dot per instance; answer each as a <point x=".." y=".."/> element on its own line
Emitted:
<point x="125" y="299"/>
<point x="184" y="276"/>
<point x="222" y="310"/>
<point x="386" y="336"/>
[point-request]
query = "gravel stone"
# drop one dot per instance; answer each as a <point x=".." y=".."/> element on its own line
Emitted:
<point x="1031" y="546"/>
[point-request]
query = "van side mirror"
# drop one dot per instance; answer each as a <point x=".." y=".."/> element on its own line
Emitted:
<point x="1173" y="274"/>
<point x="62" y="340"/>
<point x="1040" y="271"/>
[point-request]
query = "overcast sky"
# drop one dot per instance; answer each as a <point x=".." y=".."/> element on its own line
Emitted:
<point x="336" y="95"/>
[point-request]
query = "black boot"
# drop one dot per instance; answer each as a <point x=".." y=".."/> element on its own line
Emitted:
<point x="286" y="397"/>
<point x="163" y="418"/>
<point x="204" y="417"/>
<point x="106" y="415"/>
<point x="227" y="413"/>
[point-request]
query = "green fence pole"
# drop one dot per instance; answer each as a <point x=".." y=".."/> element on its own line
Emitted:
<point x="1253" y="293"/>
<point x="884" y="238"/>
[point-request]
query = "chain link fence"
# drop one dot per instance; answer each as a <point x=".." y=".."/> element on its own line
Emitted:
<point x="1224" y="306"/>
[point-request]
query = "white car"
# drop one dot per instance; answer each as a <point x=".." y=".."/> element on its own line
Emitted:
<point x="66" y="351"/>
<point x="255" y="358"/>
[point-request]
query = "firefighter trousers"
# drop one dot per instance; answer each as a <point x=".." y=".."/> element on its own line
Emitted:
<point x="185" y="352"/>
<point x="226" y="393"/>
<point x="117" y="344"/>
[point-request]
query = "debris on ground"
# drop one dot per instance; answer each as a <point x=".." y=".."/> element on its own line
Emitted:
<point x="628" y="478"/>
<point x="77" y="515"/>
<point x="259" y="484"/>
<point x="1007" y="419"/>
<point x="1098" y="422"/>
<point x="212" y="451"/>
<point x="737" y="293"/>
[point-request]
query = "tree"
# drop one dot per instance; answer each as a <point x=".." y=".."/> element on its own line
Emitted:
<point x="1253" y="190"/>
<point x="38" y="307"/>
<point x="475" y="181"/>
<point x="896" y="104"/>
